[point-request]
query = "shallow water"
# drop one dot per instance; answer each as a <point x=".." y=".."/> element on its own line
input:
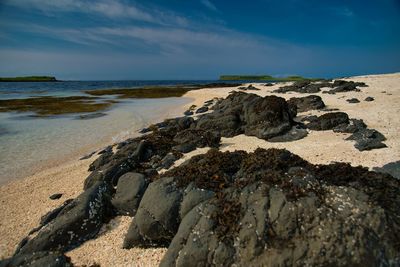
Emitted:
<point x="29" y="144"/>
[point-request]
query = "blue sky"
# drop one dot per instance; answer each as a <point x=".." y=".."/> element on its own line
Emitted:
<point x="198" y="39"/>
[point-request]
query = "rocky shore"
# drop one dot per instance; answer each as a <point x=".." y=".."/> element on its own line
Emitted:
<point x="188" y="187"/>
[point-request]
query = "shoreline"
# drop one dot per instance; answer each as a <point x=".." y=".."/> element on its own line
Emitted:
<point x="20" y="215"/>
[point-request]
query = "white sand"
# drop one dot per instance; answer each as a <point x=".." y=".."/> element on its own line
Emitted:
<point x="23" y="202"/>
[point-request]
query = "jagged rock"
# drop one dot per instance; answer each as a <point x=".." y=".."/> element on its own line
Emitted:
<point x="328" y="121"/>
<point x="202" y="110"/>
<point x="250" y="87"/>
<point x="88" y="156"/>
<point x="303" y="87"/>
<point x="130" y="189"/>
<point x="367" y="139"/>
<point x="353" y="100"/>
<point x="307" y="103"/>
<point x="353" y="126"/>
<point x="77" y="222"/>
<point x="272" y="208"/>
<point x="369" y="98"/>
<point x="168" y="161"/>
<point x="38" y="259"/>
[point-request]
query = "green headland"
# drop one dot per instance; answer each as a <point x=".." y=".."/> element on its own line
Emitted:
<point x="29" y="79"/>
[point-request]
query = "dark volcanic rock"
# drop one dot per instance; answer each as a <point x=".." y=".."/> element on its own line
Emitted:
<point x="88" y="156"/>
<point x="353" y="100"/>
<point x="328" y="121"/>
<point x="270" y="208"/>
<point x="130" y="189"/>
<point x="202" y="110"/>
<point x="353" y="126"/>
<point x="157" y="218"/>
<point x="392" y="168"/>
<point x="77" y="222"/>
<point x="369" y="98"/>
<point x="367" y="139"/>
<point x="264" y="117"/>
<point x="250" y="87"/>
<point x="55" y="196"/>
<point x="307" y="103"/>
<point x="315" y="87"/>
<point x="188" y="113"/>
<point x="38" y="259"/>
<point x="189" y="139"/>
<point x="296" y="133"/>
<point x="103" y="159"/>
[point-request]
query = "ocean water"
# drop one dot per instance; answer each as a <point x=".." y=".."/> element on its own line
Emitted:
<point x="29" y="143"/>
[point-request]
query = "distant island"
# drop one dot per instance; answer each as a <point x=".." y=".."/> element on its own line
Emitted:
<point x="29" y="79"/>
<point x="264" y="78"/>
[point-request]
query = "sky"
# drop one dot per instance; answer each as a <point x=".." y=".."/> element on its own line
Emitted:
<point x="198" y="39"/>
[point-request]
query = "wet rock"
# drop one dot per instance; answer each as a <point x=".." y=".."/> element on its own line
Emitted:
<point x="130" y="189"/>
<point x="353" y="100"/>
<point x="77" y="222"/>
<point x="328" y="121"/>
<point x="38" y="259"/>
<point x="269" y="84"/>
<point x="369" y="98"/>
<point x="367" y="139"/>
<point x="202" y="110"/>
<point x="107" y="149"/>
<point x="307" y="103"/>
<point x="91" y="116"/>
<point x="55" y="196"/>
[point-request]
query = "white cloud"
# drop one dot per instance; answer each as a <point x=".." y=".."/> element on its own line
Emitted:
<point x="209" y="5"/>
<point x="114" y="9"/>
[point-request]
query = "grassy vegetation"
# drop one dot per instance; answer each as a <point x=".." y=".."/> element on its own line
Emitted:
<point x="265" y="78"/>
<point x="155" y="91"/>
<point x="29" y="79"/>
<point x="48" y="105"/>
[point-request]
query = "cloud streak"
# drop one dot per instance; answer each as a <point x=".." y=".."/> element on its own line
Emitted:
<point x="112" y="9"/>
<point x="209" y="5"/>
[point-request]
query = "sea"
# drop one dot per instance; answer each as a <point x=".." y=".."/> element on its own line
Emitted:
<point x="29" y="143"/>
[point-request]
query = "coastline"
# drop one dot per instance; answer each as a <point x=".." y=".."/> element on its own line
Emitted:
<point x="23" y="201"/>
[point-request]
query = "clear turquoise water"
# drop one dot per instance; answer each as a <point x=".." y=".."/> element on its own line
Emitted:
<point x="28" y="144"/>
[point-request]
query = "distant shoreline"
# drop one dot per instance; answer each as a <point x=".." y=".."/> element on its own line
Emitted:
<point x="29" y="79"/>
<point x="267" y="78"/>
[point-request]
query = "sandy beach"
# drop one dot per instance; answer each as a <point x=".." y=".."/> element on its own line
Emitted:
<point x="24" y="201"/>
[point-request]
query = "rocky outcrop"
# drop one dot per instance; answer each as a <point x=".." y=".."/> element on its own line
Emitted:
<point x="130" y="189"/>
<point x="270" y="207"/>
<point x="307" y="103"/>
<point x="75" y="223"/>
<point x="328" y="121"/>
<point x="38" y="259"/>
<point x="264" y="117"/>
<point x="310" y="87"/>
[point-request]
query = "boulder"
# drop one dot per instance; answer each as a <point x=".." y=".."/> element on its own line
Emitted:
<point x="367" y="139"/>
<point x="307" y="103"/>
<point x="38" y="259"/>
<point x="130" y="189"/>
<point x="202" y="110"/>
<point x="77" y="222"/>
<point x="157" y="218"/>
<point x="353" y="100"/>
<point x="369" y="98"/>
<point x="328" y="121"/>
